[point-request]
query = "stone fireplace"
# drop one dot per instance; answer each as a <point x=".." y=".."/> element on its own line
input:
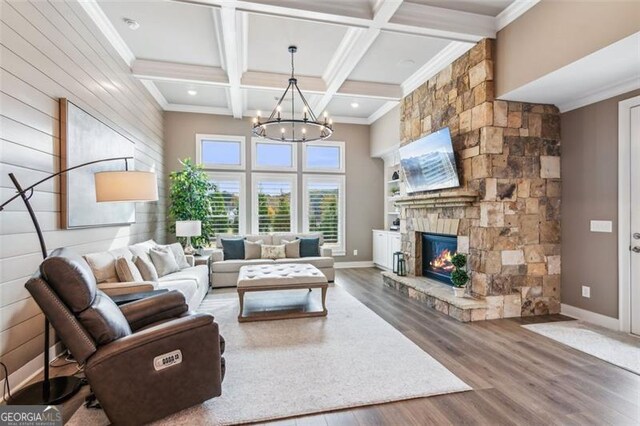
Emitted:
<point x="506" y="213"/>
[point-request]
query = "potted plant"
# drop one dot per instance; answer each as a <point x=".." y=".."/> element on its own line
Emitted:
<point x="191" y="198"/>
<point x="459" y="276"/>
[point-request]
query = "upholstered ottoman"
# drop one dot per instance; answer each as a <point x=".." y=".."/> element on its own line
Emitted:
<point x="281" y="276"/>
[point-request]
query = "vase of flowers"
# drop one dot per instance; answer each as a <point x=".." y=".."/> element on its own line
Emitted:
<point x="459" y="276"/>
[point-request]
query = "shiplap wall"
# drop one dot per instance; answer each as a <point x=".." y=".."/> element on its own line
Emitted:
<point x="51" y="50"/>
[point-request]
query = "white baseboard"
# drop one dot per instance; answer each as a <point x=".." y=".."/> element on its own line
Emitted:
<point x="591" y="317"/>
<point x="362" y="264"/>
<point x="27" y="372"/>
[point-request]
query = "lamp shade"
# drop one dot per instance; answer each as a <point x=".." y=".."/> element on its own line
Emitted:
<point x="188" y="228"/>
<point x="127" y="186"/>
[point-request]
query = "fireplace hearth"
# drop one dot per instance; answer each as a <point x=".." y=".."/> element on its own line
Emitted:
<point x="437" y="251"/>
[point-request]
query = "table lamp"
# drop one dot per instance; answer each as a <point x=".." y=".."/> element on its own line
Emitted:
<point x="188" y="228"/>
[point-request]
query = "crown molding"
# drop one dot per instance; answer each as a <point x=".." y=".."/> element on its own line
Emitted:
<point x="157" y="95"/>
<point x="388" y="106"/>
<point x="601" y="94"/>
<point x="513" y="12"/>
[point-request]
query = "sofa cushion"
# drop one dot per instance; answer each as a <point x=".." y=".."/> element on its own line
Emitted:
<point x="103" y="264"/>
<point x="309" y="247"/>
<point x="233" y="248"/>
<point x="187" y="287"/>
<point x="127" y="271"/>
<point x="317" y="261"/>
<point x="199" y="273"/>
<point x="163" y="260"/>
<point x="252" y="250"/>
<point x="178" y="253"/>
<point x="146" y="268"/>
<point x="292" y="248"/>
<point x="235" y="265"/>
<point x="273" y="252"/>
<point x="142" y="249"/>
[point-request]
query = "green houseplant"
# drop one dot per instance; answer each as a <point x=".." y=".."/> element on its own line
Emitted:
<point x="191" y="198"/>
<point x="459" y="276"/>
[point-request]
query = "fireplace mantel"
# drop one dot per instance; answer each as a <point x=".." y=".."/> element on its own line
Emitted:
<point x="453" y="198"/>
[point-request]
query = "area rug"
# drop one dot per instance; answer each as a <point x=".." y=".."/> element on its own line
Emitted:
<point x="278" y="369"/>
<point x="615" y="348"/>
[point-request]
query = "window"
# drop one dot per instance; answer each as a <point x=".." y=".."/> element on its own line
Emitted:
<point x="274" y="156"/>
<point x="327" y="156"/>
<point x="324" y="209"/>
<point x="274" y="202"/>
<point x="229" y="214"/>
<point x="220" y="152"/>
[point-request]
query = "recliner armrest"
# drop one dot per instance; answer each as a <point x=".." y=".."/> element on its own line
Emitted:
<point x="144" y="312"/>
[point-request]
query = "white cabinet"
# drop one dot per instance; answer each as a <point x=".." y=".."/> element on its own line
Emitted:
<point x="385" y="243"/>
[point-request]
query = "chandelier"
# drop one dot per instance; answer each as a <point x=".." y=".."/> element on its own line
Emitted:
<point x="305" y="128"/>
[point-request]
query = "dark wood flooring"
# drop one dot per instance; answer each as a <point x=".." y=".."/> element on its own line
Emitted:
<point x="518" y="377"/>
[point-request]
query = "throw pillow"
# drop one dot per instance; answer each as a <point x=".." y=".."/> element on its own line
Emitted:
<point x="233" y="248"/>
<point x="127" y="271"/>
<point x="273" y="252"/>
<point x="252" y="249"/>
<point x="292" y="248"/>
<point x="146" y="268"/>
<point x="178" y="253"/>
<point x="309" y="247"/>
<point x="164" y="260"/>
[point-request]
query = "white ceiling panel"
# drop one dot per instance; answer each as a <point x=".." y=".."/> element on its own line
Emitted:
<point x="269" y="38"/>
<point x="171" y="32"/>
<point x="482" y="7"/>
<point x="265" y="101"/>
<point x="206" y="95"/>
<point x="393" y="57"/>
<point x="341" y="106"/>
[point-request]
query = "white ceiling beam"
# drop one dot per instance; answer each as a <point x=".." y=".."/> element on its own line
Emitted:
<point x="231" y="32"/>
<point x="157" y="95"/>
<point x="103" y="23"/>
<point x="513" y="12"/>
<point x="171" y="71"/>
<point x="198" y="109"/>
<point x="354" y="45"/>
<point x="410" y="18"/>
<point x="272" y="80"/>
<point x="366" y="89"/>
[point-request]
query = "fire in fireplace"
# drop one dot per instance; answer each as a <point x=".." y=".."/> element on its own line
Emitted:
<point x="437" y="251"/>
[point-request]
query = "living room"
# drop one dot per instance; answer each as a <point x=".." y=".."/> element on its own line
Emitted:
<point x="305" y="212"/>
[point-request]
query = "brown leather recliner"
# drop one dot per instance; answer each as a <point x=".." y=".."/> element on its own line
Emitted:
<point x="143" y="360"/>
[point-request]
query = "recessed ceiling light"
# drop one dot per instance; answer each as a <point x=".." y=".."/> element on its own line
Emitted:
<point x="192" y="92"/>
<point x="131" y="23"/>
<point x="406" y="62"/>
<point x="354" y="105"/>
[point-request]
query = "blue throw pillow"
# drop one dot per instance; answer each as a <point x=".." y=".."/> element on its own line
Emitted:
<point x="309" y="247"/>
<point x="232" y="248"/>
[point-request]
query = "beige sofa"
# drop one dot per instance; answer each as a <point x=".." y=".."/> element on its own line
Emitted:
<point x="193" y="281"/>
<point x="224" y="273"/>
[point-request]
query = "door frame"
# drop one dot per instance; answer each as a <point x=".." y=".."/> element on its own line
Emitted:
<point x="624" y="211"/>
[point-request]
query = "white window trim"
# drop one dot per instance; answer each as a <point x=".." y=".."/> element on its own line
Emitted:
<point x="225" y="138"/>
<point x="254" y="156"/>
<point x="274" y="177"/>
<point x="242" y="222"/>
<point x="339" y="249"/>
<point x="338" y="144"/>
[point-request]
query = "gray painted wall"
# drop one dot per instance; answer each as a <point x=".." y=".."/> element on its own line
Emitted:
<point x="364" y="175"/>
<point x="52" y="50"/>
<point x="385" y="133"/>
<point x="590" y="192"/>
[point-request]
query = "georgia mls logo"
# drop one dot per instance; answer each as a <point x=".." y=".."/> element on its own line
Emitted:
<point x="30" y="415"/>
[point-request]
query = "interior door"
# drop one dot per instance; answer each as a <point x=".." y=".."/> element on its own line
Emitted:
<point x="635" y="220"/>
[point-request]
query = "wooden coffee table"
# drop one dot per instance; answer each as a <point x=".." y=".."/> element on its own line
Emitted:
<point x="280" y="276"/>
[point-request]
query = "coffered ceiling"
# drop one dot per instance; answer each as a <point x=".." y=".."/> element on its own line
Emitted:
<point x="355" y="60"/>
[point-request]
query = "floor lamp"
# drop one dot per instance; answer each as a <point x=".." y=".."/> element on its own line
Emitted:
<point x="111" y="186"/>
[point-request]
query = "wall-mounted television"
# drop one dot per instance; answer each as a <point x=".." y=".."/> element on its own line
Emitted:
<point x="429" y="163"/>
